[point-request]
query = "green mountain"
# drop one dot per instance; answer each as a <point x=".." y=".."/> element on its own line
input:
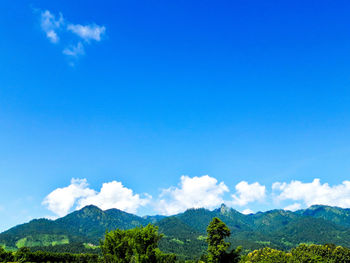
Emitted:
<point x="87" y="225"/>
<point x="185" y="233"/>
<point x="337" y="215"/>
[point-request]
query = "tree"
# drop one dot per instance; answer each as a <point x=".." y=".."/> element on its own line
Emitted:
<point x="267" y="255"/>
<point x="5" y="256"/>
<point x="116" y="246"/>
<point x="23" y="255"/>
<point x="139" y="245"/>
<point x="217" y="246"/>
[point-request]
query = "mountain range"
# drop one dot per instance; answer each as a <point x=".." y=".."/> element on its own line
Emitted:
<point x="185" y="233"/>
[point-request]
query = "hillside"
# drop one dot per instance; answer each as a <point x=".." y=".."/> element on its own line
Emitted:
<point x="185" y="233"/>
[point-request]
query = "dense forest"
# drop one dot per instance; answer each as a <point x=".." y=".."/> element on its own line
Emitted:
<point x="140" y="245"/>
<point x="275" y="233"/>
<point x="185" y="234"/>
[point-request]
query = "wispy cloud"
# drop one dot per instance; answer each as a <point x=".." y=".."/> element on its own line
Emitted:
<point x="88" y="32"/>
<point x="74" y="51"/>
<point x="50" y="25"/>
<point x="59" y="30"/>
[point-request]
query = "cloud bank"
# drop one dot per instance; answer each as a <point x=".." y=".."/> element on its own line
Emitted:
<point x="198" y="192"/>
<point x="74" y="37"/>
<point x="314" y="193"/>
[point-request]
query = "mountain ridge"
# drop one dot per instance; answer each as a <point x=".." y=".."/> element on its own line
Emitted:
<point x="184" y="233"/>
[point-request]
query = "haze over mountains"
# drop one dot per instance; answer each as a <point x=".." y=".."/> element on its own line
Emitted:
<point x="185" y="233"/>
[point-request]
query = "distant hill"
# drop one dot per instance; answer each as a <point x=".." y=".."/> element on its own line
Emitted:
<point x="87" y="225"/>
<point x="185" y="233"/>
<point x="337" y="215"/>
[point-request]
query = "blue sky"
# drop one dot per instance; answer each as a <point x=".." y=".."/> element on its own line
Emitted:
<point x="173" y="105"/>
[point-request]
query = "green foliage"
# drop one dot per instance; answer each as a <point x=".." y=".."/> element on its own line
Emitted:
<point x="139" y="245"/>
<point x="5" y="256"/>
<point x="301" y="254"/>
<point x="77" y="248"/>
<point x="186" y="249"/>
<point x="337" y="215"/>
<point x="183" y="233"/>
<point x="217" y="246"/>
<point x="24" y="254"/>
<point x="87" y="225"/>
<point x="42" y="240"/>
<point x="266" y="255"/>
<point x="217" y="232"/>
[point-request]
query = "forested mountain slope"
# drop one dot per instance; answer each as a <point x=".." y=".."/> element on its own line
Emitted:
<point x="185" y="233"/>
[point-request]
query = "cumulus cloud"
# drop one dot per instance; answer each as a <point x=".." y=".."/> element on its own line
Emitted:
<point x="314" y="193"/>
<point x="196" y="192"/>
<point x="115" y="195"/>
<point x="247" y="193"/>
<point x="61" y="200"/>
<point x="49" y="24"/>
<point x="78" y="194"/>
<point x="88" y="32"/>
<point x="293" y="207"/>
<point x="247" y="211"/>
<point x="60" y="30"/>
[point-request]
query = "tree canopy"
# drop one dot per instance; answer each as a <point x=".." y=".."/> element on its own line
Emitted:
<point x="139" y="245"/>
<point x="217" y="246"/>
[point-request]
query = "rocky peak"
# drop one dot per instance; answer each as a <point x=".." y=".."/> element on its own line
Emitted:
<point x="224" y="209"/>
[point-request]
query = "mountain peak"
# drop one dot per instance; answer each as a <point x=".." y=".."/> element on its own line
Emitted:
<point x="317" y="207"/>
<point x="90" y="223"/>
<point x="224" y="209"/>
<point x="91" y="207"/>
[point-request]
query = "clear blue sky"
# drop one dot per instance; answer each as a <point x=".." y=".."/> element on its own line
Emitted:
<point x="255" y="91"/>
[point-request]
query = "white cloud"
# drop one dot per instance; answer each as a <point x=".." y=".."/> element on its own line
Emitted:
<point x="57" y="31"/>
<point x="51" y="217"/>
<point x="196" y="192"/>
<point x="74" y="51"/>
<point x="115" y="195"/>
<point x="246" y="193"/>
<point x="314" y="193"/>
<point x="293" y="207"/>
<point x="52" y="35"/>
<point x="78" y="195"/>
<point x="247" y="211"/>
<point x="61" y="200"/>
<point x="49" y="24"/>
<point x="88" y="32"/>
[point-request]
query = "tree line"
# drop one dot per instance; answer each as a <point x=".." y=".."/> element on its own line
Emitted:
<point x="140" y="245"/>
